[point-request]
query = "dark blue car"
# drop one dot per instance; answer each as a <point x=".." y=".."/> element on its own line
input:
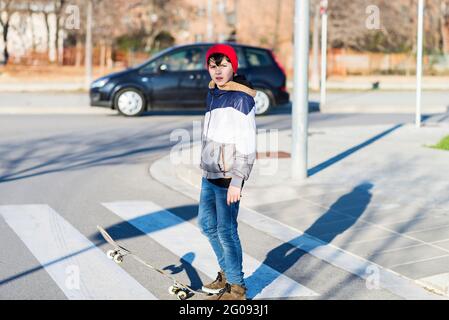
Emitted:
<point x="177" y="77"/>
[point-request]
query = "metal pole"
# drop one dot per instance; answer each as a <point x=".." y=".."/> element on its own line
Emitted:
<point x="419" y="49"/>
<point x="88" y="58"/>
<point x="300" y="107"/>
<point x="315" y="76"/>
<point x="323" y="52"/>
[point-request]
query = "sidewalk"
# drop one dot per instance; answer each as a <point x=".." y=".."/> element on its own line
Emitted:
<point x="376" y="199"/>
<point x="44" y="86"/>
<point x="385" y="82"/>
<point x="378" y="101"/>
<point x="81" y="110"/>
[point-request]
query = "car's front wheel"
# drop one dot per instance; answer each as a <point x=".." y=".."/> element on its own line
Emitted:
<point x="130" y="102"/>
<point x="263" y="101"/>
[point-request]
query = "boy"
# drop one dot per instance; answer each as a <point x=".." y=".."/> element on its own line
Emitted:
<point x="227" y="156"/>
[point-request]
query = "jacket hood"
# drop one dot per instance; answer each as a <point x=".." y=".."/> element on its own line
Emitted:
<point x="238" y="83"/>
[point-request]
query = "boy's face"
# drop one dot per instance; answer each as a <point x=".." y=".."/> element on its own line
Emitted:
<point x="222" y="73"/>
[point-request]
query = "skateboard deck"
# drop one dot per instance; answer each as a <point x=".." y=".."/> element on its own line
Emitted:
<point x="181" y="290"/>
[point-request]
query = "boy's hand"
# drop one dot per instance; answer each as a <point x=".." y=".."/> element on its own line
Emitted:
<point x="233" y="194"/>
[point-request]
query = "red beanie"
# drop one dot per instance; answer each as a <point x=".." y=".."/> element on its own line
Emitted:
<point x="227" y="50"/>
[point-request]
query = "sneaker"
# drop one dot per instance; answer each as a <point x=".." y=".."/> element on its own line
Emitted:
<point x="217" y="285"/>
<point x="231" y="292"/>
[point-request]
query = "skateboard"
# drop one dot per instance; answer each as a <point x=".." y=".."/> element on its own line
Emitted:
<point x="181" y="290"/>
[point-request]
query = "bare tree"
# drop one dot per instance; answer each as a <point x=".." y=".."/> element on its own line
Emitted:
<point x="397" y="32"/>
<point x="143" y="18"/>
<point x="48" y="9"/>
<point x="59" y="6"/>
<point x="6" y="11"/>
<point x="43" y="8"/>
<point x="444" y="25"/>
<point x="348" y="28"/>
<point x="30" y="13"/>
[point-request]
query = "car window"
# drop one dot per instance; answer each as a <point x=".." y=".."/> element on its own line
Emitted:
<point x="181" y="60"/>
<point x="241" y="57"/>
<point x="192" y="59"/>
<point x="151" y="67"/>
<point x="258" y="58"/>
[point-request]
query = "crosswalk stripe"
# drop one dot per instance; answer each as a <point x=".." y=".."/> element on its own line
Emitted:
<point x="79" y="268"/>
<point x="182" y="238"/>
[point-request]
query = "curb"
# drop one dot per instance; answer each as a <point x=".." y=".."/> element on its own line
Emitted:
<point x="42" y="87"/>
<point x="381" y="109"/>
<point x="54" y="110"/>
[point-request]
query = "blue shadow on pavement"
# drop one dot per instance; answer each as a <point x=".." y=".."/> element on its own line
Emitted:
<point x="356" y="148"/>
<point x="185" y="264"/>
<point x="69" y="152"/>
<point x="350" y="151"/>
<point x="286" y="255"/>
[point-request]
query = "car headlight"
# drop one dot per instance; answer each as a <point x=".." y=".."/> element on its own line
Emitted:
<point x="99" y="83"/>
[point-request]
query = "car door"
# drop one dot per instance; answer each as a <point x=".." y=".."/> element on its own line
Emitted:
<point x="193" y="76"/>
<point x="162" y="76"/>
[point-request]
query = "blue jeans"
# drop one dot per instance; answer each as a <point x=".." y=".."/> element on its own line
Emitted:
<point x="218" y="222"/>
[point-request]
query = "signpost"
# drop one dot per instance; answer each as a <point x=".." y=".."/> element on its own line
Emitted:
<point x="419" y="47"/>
<point x="88" y="60"/>
<point x="323" y="11"/>
<point x="300" y="109"/>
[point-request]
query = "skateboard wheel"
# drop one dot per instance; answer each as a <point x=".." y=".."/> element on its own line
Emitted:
<point x="173" y="290"/>
<point x="118" y="258"/>
<point x="182" y="295"/>
<point x="110" y="254"/>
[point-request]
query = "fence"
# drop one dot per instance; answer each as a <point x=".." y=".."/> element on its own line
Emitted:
<point x="346" y="62"/>
<point x="341" y="62"/>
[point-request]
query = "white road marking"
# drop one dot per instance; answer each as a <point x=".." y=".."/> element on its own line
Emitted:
<point x="181" y="238"/>
<point x="79" y="268"/>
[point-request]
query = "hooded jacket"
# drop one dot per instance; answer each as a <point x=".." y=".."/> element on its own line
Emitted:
<point x="229" y="131"/>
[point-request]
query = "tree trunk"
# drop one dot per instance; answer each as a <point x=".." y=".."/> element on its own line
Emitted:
<point x="102" y="56"/>
<point x="57" y="57"/>
<point x="33" y="34"/>
<point x="61" y="48"/>
<point x="59" y="22"/>
<point x="88" y="54"/>
<point x="78" y="54"/>
<point x="276" y="27"/>
<point x="444" y="23"/>
<point x="110" y="62"/>
<point x="5" y="41"/>
<point x="47" y="26"/>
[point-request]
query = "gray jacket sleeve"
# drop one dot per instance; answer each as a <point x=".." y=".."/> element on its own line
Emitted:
<point x="245" y="141"/>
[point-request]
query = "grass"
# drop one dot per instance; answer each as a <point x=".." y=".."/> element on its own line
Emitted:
<point x="443" y="144"/>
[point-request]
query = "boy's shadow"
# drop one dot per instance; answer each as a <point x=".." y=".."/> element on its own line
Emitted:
<point x="186" y="262"/>
<point x="286" y="255"/>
